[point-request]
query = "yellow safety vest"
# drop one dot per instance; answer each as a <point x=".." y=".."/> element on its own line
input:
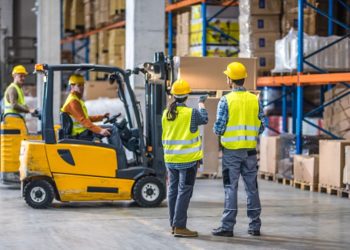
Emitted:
<point x="8" y="107"/>
<point x="179" y="143"/>
<point x="242" y="128"/>
<point x="77" y="127"/>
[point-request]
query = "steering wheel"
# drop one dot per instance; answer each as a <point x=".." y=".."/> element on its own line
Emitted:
<point x="112" y="119"/>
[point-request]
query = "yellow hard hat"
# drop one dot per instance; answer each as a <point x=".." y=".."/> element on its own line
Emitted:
<point x="236" y="71"/>
<point x="76" y="79"/>
<point x="19" y="69"/>
<point x="180" y="87"/>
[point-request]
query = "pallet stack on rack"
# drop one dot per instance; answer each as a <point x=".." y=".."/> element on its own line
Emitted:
<point x="225" y="23"/>
<point x="259" y="29"/>
<point x="104" y="40"/>
<point x="290" y="17"/>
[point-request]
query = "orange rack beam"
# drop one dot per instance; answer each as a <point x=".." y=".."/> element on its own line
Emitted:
<point x="115" y="25"/>
<point x="186" y="3"/>
<point x="312" y="79"/>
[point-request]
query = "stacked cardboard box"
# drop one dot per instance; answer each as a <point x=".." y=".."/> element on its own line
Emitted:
<point x="116" y="47"/>
<point x="336" y="116"/>
<point x="346" y="172"/>
<point x="77" y="15"/>
<point x="67" y="6"/>
<point x="89" y="10"/>
<point x="219" y="43"/>
<point x="290" y="17"/>
<point x="93" y="54"/>
<point x="269" y="154"/>
<point x="259" y="23"/>
<point x="182" y="33"/>
<point x="101" y="12"/>
<point x="116" y="8"/>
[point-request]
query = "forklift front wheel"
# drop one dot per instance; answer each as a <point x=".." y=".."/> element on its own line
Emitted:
<point x="39" y="194"/>
<point x="149" y="191"/>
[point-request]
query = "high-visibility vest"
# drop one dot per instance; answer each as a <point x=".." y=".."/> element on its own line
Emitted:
<point x="179" y="143"/>
<point x="242" y="128"/>
<point x="8" y="107"/>
<point x="77" y="127"/>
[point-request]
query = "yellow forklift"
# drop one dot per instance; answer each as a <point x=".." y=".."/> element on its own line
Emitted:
<point x="13" y="131"/>
<point x="66" y="169"/>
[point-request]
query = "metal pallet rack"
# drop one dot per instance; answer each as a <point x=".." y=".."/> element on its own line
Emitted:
<point x="298" y="81"/>
<point x="173" y="7"/>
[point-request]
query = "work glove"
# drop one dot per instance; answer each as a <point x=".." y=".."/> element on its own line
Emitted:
<point x="203" y="98"/>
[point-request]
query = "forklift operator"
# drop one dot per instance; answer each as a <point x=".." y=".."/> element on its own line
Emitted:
<point x="14" y="102"/>
<point x="83" y="127"/>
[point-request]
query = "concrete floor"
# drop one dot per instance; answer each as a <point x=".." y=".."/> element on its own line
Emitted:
<point x="292" y="219"/>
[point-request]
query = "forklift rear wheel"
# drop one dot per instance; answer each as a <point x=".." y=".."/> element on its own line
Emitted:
<point x="149" y="191"/>
<point x="39" y="194"/>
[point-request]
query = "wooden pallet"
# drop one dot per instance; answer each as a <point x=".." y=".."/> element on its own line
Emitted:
<point x="340" y="192"/>
<point x="306" y="186"/>
<point x="284" y="181"/>
<point x="266" y="176"/>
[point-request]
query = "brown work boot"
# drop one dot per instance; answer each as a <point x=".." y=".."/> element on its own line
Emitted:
<point x="184" y="232"/>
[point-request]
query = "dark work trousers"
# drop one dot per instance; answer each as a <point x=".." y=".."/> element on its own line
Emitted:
<point x="235" y="163"/>
<point x="114" y="140"/>
<point x="180" y="191"/>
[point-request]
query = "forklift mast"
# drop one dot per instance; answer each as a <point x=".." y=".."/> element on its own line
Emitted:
<point x="158" y="77"/>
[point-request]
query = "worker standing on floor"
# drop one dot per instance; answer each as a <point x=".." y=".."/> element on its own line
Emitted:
<point x="182" y="153"/>
<point x="239" y="121"/>
<point x="14" y="97"/>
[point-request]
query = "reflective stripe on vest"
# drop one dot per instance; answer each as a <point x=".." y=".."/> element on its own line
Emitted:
<point x="243" y="124"/>
<point x="180" y="145"/>
<point x="21" y="101"/>
<point x="77" y="127"/>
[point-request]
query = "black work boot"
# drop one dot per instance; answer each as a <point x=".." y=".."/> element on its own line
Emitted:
<point x="253" y="232"/>
<point x="222" y="232"/>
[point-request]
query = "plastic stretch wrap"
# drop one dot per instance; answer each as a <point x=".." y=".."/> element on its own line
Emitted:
<point x="287" y="151"/>
<point x="334" y="58"/>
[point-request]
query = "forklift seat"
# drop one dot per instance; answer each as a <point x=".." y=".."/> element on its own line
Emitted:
<point x="65" y="131"/>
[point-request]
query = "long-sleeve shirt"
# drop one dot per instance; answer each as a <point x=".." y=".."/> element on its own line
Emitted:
<point x="222" y="115"/>
<point x="75" y="109"/>
<point x="199" y="117"/>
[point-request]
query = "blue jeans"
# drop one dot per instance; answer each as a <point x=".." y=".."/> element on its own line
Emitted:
<point x="181" y="182"/>
<point x="236" y="163"/>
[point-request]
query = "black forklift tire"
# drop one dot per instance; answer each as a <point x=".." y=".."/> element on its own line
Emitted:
<point x="39" y="194"/>
<point x="149" y="191"/>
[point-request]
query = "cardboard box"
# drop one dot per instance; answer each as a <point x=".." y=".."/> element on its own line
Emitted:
<point x="269" y="154"/>
<point x="215" y="51"/>
<point x="266" y="61"/>
<point x="210" y="140"/>
<point x="213" y="38"/>
<point x="103" y="41"/>
<point x="332" y="162"/>
<point x="230" y="12"/>
<point x="99" y="89"/>
<point x="291" y="6"/>
<point x="305" y="168"/>
<point x="262" y="42"/>
<point x="77" y="15"/>
<point x="260" y="7"/>
<point x="207" y="72"/>
<point x="252" y="24"/>
<point x="290" y="20"/>
<point x="346" y="172"/>
<point x="67" y="6"/>
<point x="225" y="24"/>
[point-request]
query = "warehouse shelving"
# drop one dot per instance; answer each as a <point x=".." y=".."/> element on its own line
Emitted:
<point x="173" y="7"/>
<point x="298" y="81"/>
